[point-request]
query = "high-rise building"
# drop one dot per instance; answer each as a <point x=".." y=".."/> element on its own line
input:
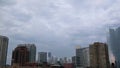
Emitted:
<point x="65" y="60"/>
<point x="82" y="57"/>
<point x="3" y="49"/>
<point x="42" y="57"/>
<point x="99" y="57"/>
<point x="114" y="42"/>
<point x="49" y="57"/>
<point x="55" y="60"/>
<point x="61" y="60"/>
<point x="74" y="60"/>
<point x="32" y="52"/>
<point x="85" y="57"/>
<point x="20" y="55"/>
<point x="77" y="57"/>
<point x="69" y="60"/>
<point x="52" y="60"/>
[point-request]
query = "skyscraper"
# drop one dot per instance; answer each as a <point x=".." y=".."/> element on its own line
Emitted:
<point x="74" y="60"/>
<point x="65" y="60"/>
<point x="82" y="57"/>
<point x="77" y="57"/>
<point x="42" y="57"/>
<point x="49" y="57"/>
<point x="20" y="55"/>
<point x="99" y="57"/>
<point x="3" y="49"/>
<point x="114" y="41"/>
<point x="32" y="51"/>
<point x="61" y="60"/>
<point x="85" y="57"/>
<point x="49" y="54"/>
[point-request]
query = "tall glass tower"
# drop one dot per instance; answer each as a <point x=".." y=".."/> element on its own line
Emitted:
<point x="32" y="50"/>
<point x="3" y="50"/>
<point x="114" y="40"/>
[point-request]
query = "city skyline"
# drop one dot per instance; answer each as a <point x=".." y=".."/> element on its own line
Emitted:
<point x="52" y="25"/>
<point x="23" y="51"/>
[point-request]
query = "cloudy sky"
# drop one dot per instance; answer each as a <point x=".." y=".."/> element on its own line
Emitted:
<point x="57" y="26"/>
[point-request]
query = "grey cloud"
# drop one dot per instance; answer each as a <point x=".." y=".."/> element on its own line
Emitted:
<point x="53" y="25"/>
<point x="22" y="17"/>
<point x="6" y="2"/>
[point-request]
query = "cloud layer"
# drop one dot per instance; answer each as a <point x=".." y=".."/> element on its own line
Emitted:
<point x="57" y="25"/>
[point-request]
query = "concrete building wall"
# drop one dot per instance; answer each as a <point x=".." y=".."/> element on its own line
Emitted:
<point x="99" y="57"/>
<point x="20" y="56"/>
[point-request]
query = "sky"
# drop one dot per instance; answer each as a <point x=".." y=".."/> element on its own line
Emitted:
<point x="57" y="26"/>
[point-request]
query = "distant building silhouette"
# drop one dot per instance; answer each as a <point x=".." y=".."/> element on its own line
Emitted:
<point x="114" y="41"/>
<point x="61" y="61"/>
<point x="20" y="56"/>
<point x="49" y="58"/>
<point x="66" y="60"/>
<point x="74" y="60"/>
<point x="42" y="57"/>
<point x="3" y="50"/>
<point x="99" y="57"/>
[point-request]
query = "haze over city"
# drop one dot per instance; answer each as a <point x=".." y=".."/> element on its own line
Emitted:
<point x="57" y="26"/>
